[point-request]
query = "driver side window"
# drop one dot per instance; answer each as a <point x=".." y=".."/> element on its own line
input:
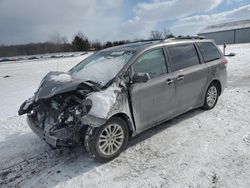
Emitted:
<point x="152" y="62"/>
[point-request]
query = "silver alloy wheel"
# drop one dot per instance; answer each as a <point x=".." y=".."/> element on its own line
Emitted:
<point x="111" y="139"/>
<point x="212" y="96"/>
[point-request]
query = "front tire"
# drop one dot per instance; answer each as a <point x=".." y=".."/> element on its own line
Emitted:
<point x="211" y="97"/>
<point x="108" y="141"/>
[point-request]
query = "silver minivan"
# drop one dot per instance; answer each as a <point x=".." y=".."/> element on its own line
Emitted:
<point x="119" y="92"/>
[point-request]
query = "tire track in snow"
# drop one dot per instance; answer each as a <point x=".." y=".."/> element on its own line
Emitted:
<point x="16" y="174"/>
<point x="27" y="169"/>
<point x="24" y="156"/>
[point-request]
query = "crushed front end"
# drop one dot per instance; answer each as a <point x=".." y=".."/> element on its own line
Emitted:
<point x="54" y="112"/>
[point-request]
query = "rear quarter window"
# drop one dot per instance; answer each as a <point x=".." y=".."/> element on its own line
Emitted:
<point x="209" y="51"/>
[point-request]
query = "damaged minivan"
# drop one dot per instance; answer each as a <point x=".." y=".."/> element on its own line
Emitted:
<point x="121" y="91"/>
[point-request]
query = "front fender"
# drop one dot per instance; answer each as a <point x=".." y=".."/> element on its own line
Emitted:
<point x="109" y="103"/>
<point x="93" y="120"/>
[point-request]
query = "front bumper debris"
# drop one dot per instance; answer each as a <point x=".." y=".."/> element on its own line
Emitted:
<point x="50" y="139"/>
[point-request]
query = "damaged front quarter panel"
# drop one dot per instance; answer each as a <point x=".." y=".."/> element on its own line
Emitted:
<point x="107" y="103"/>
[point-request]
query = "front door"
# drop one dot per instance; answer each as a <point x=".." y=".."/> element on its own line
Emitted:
<point x="152" y="101"/>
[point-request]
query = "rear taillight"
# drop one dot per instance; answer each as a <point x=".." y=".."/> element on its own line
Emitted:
<point x="225" y="61"/>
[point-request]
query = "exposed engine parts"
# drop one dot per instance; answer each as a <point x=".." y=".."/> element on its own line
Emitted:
<point x="59" y="113"/>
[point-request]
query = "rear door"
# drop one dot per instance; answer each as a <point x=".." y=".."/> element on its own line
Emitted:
<point x="190" y="76"/>
<point x="152" y="101"/>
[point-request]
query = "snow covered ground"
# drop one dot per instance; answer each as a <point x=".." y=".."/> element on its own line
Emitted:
<point x="197" y="149"/>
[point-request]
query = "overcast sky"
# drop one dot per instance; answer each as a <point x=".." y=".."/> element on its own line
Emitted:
<point x="24" y="21"/>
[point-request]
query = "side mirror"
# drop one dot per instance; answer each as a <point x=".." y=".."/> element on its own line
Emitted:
<point x="140" y="77"/>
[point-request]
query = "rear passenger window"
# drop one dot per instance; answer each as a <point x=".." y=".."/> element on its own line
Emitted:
<point x="183" y="56"/>
<point x="208" y="51"/>
<point x="152" y="62"/>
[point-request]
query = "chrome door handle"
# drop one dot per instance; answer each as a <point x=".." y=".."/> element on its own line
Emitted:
<point x="181" y="77"/>
<point x="169" y="81"/>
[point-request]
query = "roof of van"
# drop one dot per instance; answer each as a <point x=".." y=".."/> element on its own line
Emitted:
<point x="140" y="45"/>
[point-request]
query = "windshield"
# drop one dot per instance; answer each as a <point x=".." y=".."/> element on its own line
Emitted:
<point x="102" y="66"/>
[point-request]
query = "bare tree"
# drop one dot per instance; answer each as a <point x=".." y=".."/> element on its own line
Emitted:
<point x="64" y="40"/>
<point x="96" y="45"/>
<point x="58" y="39"/>
<point x="59" y="42"/>
<point x="155" y="34"/>
<point x="166" y="32"/>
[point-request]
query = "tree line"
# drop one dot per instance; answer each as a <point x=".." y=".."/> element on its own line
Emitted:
<point x="80" y="42"/>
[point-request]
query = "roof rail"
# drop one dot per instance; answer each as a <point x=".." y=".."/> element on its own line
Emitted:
<point x="190" y="37"/>
<point x="149" y="40"/>
<point x="170" y="39"/>
<point x="183" y="38"/>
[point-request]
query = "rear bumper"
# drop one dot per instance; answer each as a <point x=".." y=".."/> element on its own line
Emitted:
<point x="223" y="80"/>
<point x="50" y="139"/>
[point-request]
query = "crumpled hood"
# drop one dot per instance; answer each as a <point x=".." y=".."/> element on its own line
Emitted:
<point x="56" y="83"/>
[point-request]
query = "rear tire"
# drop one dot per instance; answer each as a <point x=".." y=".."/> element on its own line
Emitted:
<point x="211" y="97"/>
<point x="108" y="141"/>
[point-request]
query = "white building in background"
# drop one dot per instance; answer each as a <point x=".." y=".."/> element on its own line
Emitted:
<point x="230" y="33"/>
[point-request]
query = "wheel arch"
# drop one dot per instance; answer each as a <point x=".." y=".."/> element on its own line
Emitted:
<point x="217" y="82"/>
<point x="128" y="121"/>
